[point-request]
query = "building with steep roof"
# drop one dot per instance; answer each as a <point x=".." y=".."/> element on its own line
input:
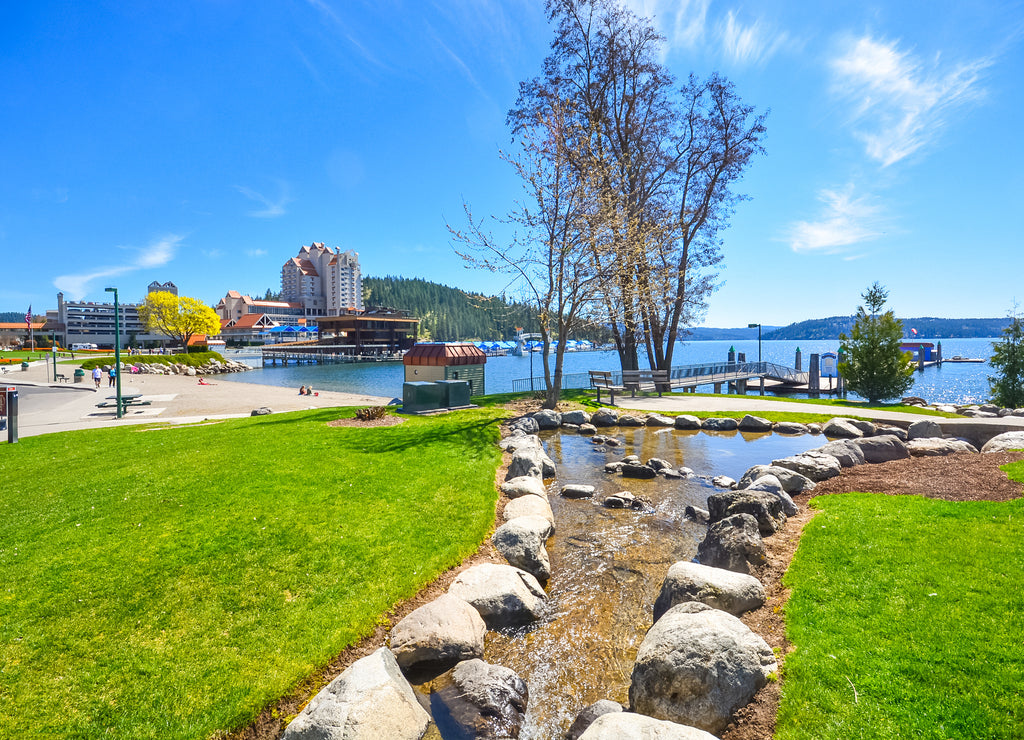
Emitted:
<point x="326" y="282"/>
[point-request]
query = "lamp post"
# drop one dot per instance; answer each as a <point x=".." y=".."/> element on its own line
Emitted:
<point x="53" y="351"/>
<point x="759" y="368"/>
<point x="117" y="349"/>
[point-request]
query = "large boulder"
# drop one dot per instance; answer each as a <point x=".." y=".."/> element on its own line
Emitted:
<point x="480" y="700"/>
<point x="577" y="417"/>
<point x="660" y="420"/>
<point x="882" y="448"/>
<point x="636" y="470"/>
<point x="528" y="506"/>
<point x="754" y="424"/>
<point x="792" y="482"/>
<point x="697" y="665"/>
<point x="525" y="424"/>
<point x="731" y="592"/>
<point x="434" y="638"/>
<point x="605" y="418"/>
<point x="789" y="427"/>
<point x="528" y="461"/>
<point x="719" y="424"/>
<point x="840" y="427"/>
<point x="519" y="440"/>
<point x="733" y="543"/>
<point x="813" y="464"/>
<point x="588" y="714"/>
<point x="547" y="419"/>
<point x="521" y="541"/>
<point x="924" y="429"/>
<point x="937" y="447"/>
<point x="845" y="451"/>
<point x="687" y="422"/>
<point x="505" y="596"/>
<point x="524" y="485"/>
<point x="772" y="485"/>
<point x="578" y="490"/>
<point x="764" y="506"/>
<point x="631" y="420"/>
<point x="632" y="726"/>
<point x="1005" y="441"/>
<point x="867" y="428"/>
<point x="370" y="700"/>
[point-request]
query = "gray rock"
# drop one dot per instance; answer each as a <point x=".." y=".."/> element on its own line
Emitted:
<point x="528" y="461"/>
<point x="867" y="428"/>
<point x="632" y="460"/>
<point x="433" y="638"/>
<point x="528" y="506"/>
<point x="658" y="463"/>
<point x="882" y="448"/>
<point x="696" y="514"/>
<point x="614" y="467"/>
<point x="772" y="485"/>
<point x="671" y="473"/>
<point x="924" y="429"/>
<point x="1005" y="441"/>
<point x="734" y="544"/>
<point x="687" y="422"/>
<point x="504" y="595"/>
<point x="588" y="430"/>
<point x="519" y="440"/>
<point x="989" y="408"/>
<point x="719" y="424"/>
<point x="605" y="418"/>
<point x="524" y="485"/>
<point x="697" y="665"/>
<point x="898" y="432"/>
<point x="547" y="419"/>
<point x="660" y="420"/>
<point x="812" y="464"/>
<point x="632" y="726"/>
<point x="814" y="428"/>
<point x="521" y="541"/>
<point x="764" y="506"/>
<point x="731" y="592"/>
<point x="577" y="416"/>
<point x="526" y="424"/>
<point x="631" y="420"/>
<point x="577" y="490"/>
<point x="632" y="470"/>
<point x="723" y="481"/>
<point x="789" y="427"/>
<point x="845" y="451"/>
<point x="935" y="447"/>
<point x="622" y="500"/>
<point x="480" y="700"/>
<point x="840" y="427"/>
<point x="754" y="424"/>
<point x="370" y="700"/>
<point x="587" y="716"/>
<point x="261" y="411"/>
<point x="792" y="482"/>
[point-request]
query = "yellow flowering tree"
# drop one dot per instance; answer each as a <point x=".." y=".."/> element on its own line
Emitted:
<point x="178" y="317"/>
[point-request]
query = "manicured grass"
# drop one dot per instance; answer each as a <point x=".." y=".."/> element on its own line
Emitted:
<point x="170" y="582"/>
<point x="906" y="614"/>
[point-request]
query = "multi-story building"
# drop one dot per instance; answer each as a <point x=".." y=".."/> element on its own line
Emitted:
<point x="85" y="322"/>
<point x="326" y="282"/>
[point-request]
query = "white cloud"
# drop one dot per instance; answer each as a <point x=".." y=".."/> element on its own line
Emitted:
<point x="271" y="208"/>
<point x="157" y="253"/>
<point x="901" y="102"/>
<point x="844" y="222"/>
<point x="255" y="252"/>
<point x="753" y="44"/>
<point x="682" y="22"/>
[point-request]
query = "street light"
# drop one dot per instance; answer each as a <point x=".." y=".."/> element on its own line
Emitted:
<point x="759" y="368"/>
<point x="117" y="349"/>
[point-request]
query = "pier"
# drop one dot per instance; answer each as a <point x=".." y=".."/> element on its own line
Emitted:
<point x="319" y="354"/>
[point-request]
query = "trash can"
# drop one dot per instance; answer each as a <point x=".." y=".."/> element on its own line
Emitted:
<point x="24" y="366"/>
<point x="79" y="375"/>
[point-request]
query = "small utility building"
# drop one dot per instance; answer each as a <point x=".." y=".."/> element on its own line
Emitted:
<point x="431" y="362"/>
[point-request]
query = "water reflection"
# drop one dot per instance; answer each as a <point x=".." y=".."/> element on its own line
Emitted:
<point x="607" y="564"/>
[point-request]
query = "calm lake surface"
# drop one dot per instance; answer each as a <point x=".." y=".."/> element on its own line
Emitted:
<point x="952" y="383"/>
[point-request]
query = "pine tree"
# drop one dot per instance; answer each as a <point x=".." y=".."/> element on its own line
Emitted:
<point x="1008" y="360"/>
<point x="875" y="367"/>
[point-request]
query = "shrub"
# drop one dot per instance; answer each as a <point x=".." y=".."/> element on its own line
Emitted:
<point x="372" y="413"/>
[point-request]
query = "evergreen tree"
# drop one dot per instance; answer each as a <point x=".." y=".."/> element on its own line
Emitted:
<point x="1008" y="361"/>
<point x="875" y="367"/>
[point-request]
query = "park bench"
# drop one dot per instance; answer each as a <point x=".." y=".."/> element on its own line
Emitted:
<point x="61" y="377"/>
<point x="638" y="380"/>
<point x="603" y="380"/>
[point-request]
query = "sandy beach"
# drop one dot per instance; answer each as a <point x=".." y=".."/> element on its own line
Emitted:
<point x="45" y="407"/>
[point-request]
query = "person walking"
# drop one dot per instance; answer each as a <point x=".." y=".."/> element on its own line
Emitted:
<point x="96" y="375"/>
<point x="111" y="377"/>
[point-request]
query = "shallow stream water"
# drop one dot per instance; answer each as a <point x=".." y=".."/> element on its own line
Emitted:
<point x="608" y="564"/>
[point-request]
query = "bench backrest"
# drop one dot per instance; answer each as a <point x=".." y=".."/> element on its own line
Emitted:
<point x="600" y="378"/>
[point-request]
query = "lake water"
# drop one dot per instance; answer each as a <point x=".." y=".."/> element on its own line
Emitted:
<point x="951" y="383"/>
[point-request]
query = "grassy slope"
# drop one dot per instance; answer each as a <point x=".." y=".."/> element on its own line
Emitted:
<point x="170" y="582"/>
<point x="906" y="615"/>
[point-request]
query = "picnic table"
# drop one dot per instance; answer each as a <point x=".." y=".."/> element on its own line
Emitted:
<point x="131" y="398"/>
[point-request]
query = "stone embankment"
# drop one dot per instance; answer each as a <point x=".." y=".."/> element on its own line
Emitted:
<point x="213" y="367"/>
<point x="698" y="663"/>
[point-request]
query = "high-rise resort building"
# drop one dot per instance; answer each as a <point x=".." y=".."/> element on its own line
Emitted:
<point x="325" y="281"/>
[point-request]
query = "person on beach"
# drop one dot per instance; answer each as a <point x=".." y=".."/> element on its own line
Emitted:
<point x="302" y="390"/>
<point x="96" y="375"/>
<point x="111" y="377"/>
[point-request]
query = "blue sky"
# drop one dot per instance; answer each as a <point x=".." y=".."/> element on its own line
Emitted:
<point x="205" y="142"/>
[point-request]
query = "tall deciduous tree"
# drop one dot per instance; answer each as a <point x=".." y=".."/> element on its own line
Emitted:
<point x="875" y="367"/>
<point x="1008" y="360"/>
<point x="178" y="317"/>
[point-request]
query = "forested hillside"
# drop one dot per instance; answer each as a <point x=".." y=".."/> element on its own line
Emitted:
<point x="927" y="328"/>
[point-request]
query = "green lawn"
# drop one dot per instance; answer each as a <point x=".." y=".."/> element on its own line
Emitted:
<point x="170" y="582"/>
<point x="907" y="615"/>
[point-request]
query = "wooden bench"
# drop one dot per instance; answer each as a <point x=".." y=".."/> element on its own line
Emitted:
<point x="602" y="380"/>
<point x="635" y="380"/>
<point x="60" y="377"/>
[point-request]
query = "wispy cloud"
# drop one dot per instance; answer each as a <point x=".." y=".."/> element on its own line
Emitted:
<point x="845" y="221"/>
<point x="255" y="252"/>
<point x="157" y="253"/>
<point x="271" y="208"/>
<point x="682" y="22"/>
<point x="337" y="22"/>
<point x="901" y="102"/>
<point x="752" y="44"/>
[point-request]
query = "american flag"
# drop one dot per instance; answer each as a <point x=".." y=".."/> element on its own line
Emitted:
<point x="28" y="314"/>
